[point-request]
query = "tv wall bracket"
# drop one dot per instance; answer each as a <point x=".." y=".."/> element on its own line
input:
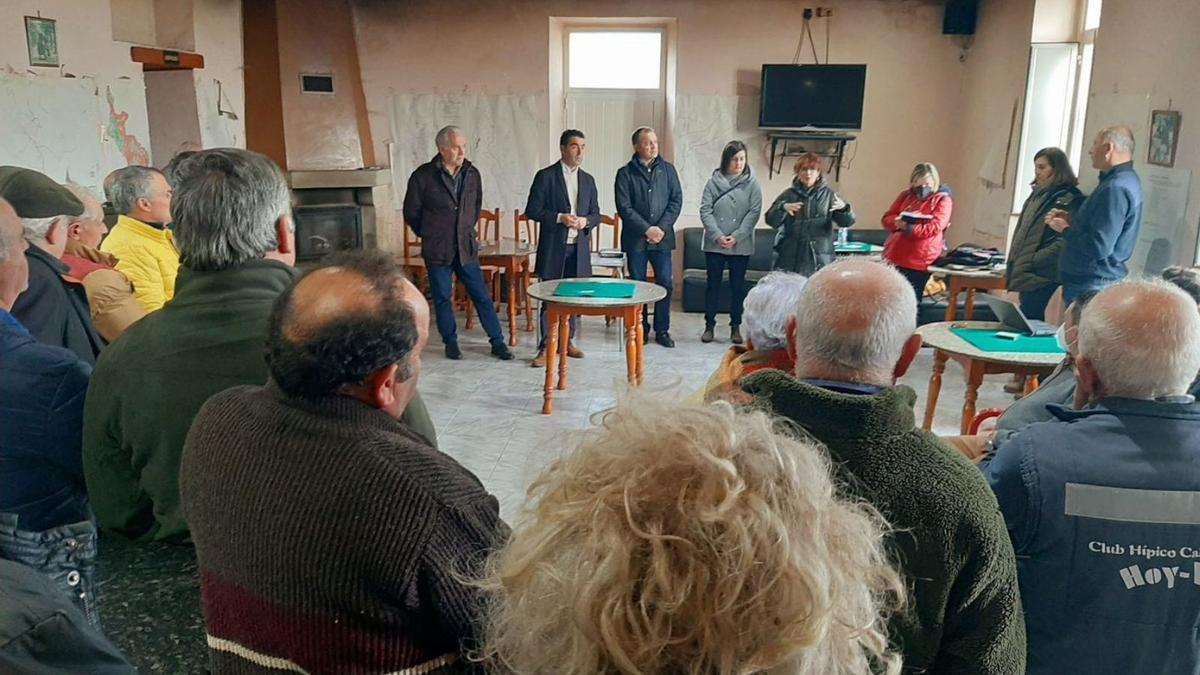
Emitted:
<point x="826" y="145"/>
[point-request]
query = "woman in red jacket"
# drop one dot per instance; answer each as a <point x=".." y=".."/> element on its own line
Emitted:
<point x="917" y="220"/>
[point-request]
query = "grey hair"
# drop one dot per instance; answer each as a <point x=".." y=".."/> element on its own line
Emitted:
<point x="770" y="306"/>
<point x="637" y="133"/>
<point x="443" y="135"/>
<point x="36" y="229"/>
<point x="852" y="321"/>
<point x="92" y="210"/>
<point x="108" y="185"/>
<point x="9" y="236"/>
<point x="1145" y="344"/>
<point x="1121" y="138"/>
<point x="129" y="185"/>
<point x="226" y="206"/>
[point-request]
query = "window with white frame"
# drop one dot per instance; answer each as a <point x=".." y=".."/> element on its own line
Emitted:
<point x="606" y="59"/>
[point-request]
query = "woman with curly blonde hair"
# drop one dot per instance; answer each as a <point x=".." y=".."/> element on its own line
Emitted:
<point x="690" y="539"/>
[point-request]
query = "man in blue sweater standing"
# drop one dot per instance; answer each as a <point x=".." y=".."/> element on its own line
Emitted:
<point x="1101" y="236"/>
<point x="649" y="199"/>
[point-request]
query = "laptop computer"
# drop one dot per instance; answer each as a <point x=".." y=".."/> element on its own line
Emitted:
<point x="1013" y="318"/>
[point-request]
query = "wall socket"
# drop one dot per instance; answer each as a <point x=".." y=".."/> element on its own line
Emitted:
<point x="824" y="12"/>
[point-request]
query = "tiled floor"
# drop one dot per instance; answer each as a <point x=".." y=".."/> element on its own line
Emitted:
<point x="488" y="412"/>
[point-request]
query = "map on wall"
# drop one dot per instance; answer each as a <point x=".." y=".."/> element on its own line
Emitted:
<point x="503" y="137"/>
<point x="73" y="128"/>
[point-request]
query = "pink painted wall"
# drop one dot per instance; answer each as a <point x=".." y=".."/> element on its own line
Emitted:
<point x="1149" y="48"/>
<point x="915" y="80"/>
<point x="321" y="131"/>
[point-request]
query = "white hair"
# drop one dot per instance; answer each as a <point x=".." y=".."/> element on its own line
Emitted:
<point x="852" y="321"/>
<point x="92" y="210"/>
<point x="768" y="308"/>
<point x="442" y="139"/>
<point x="1121" y="138"/>
<point x="36" y="229"/>
<point x="1142" y="338"/>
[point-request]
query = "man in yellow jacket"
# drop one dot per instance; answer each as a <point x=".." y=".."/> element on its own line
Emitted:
<point x="141" y="242"/>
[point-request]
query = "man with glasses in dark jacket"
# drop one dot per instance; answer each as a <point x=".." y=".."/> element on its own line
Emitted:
<point x="649" y="199"/>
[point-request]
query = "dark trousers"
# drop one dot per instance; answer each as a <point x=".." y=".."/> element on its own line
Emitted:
<point x="716" y="263"/>
<point x="660" y="261"/>
<point x="917" y="279"/>
<point x="1033" y="303"/>
<point x="442" y="287"/>
<point x="571" y="262"/>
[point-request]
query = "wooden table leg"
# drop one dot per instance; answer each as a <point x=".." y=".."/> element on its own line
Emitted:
<point x="512" y="272"/>
<point x="974" y="379"/>
<point x="641" y="341"/>
<point x="631" y="351"/>
<point x="551" y="356"/>
<point x="952" y="289"/>
<point x="526" y="278"/>
<point x="969" y="305"/>
<point x="564" y="340"/>
<point x="935" y="387"/>
<point x="1031" y="384"/>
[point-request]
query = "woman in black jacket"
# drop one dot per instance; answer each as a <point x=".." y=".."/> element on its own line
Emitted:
<point x="1033" y="255"/>
<point x="804" y="217"/>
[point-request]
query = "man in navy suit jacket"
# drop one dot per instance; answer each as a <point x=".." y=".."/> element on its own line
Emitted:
<point x="564" y="203"/>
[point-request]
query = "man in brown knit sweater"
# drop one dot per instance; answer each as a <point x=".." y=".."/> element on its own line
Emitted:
<point x="331" y="537"/>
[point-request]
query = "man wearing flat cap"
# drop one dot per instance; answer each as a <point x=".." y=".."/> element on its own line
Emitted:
<point x="54" y="310"/>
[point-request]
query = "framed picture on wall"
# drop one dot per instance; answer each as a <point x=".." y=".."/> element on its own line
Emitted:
<point x="1164" y="137"/>
<point x="41" y="35"/>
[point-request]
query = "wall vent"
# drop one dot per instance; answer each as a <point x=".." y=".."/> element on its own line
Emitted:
<point x="316" y="83"/>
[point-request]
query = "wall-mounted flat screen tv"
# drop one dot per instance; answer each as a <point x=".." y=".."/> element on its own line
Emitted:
<point x="812" y="96"/>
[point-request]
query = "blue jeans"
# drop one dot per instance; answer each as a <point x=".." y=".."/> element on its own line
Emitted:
<point x="1033" y="303"/>
<point x="66" y="554"/>
<point x="661" y="262"/>
<point x="442" y="287"/>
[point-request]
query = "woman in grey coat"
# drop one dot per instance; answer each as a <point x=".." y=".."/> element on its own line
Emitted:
<point x="729" y="210"/>
<point x="804" y="217"/>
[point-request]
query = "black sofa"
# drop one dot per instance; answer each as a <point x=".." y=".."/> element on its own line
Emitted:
<point x="931" y="310"/>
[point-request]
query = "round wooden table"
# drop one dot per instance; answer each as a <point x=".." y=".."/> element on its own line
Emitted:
<point x="977" y="363"/>
<point x="560" y="309"/>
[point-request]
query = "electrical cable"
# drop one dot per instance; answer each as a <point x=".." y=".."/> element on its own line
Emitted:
<point x="816" y="58"/>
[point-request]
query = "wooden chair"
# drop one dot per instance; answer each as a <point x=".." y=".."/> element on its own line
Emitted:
<point x="488" y="229"/>
<point x="411" y="259"/>
<point x="526" y="231"/>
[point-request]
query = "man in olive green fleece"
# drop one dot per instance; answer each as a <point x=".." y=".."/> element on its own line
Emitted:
<point x="233" y="225"/>
<point x="852" y="337"/>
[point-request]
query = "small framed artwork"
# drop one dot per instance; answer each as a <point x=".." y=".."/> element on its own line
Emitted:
<point x="1164" y="137"/>
<point x="41" y="35"/>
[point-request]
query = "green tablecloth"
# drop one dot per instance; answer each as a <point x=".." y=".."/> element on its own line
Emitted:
<point x="984" y="339"/>
<point x="593" y="289"/>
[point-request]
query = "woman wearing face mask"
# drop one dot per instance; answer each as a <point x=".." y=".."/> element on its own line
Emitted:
<point x="918" y="220"/>
<point x="729" y="210"/>
<point x="1033" y="255"/>
<point x="804" y="217"/>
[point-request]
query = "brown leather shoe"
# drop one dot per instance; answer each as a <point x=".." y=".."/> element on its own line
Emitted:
<point x="539" y="361"/>
<point x="573" y="351"/>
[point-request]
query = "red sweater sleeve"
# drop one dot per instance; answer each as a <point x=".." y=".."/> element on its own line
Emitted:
<point x="890" y="216"/>
<point x="942" y="207"/>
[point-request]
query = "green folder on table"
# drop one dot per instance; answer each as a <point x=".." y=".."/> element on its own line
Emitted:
<point x="594" y="289"/>
<point x="853" y="247"/>
<point x="986" y="340"/>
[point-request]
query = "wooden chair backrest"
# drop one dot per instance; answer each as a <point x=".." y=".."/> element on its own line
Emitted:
<point x="615" y="222"/>
<point x="412" y="243"/>
<point x="525" y="229"/>
<point x="488" y="226"/>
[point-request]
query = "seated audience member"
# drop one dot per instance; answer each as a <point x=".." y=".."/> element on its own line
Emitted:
<point x="44" y="517"/>
<point x="53" y="309"/>
<point x="171" y="170"/>
<point x="110" y="294"/>
<point x="1188" y="280"/>
<point x="144" y="246"/>
<point x="41" y="632"/>
<point x="1058" y="388"/>
<point x="330" y="535"/>
<point x="1100" y="502"/>
<point x="853" y="337"/>
<point x="690" y="539"/>
<point x="236" y="246"/>
<point x="768" y="310"/>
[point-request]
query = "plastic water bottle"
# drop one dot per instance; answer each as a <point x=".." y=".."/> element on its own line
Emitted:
<point x="843" y="236"/>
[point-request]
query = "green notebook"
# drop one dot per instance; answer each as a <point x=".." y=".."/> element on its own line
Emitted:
<point x="984" y="339"/>
<point x="593" y="289"/>
<point x="852" y="247"/>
